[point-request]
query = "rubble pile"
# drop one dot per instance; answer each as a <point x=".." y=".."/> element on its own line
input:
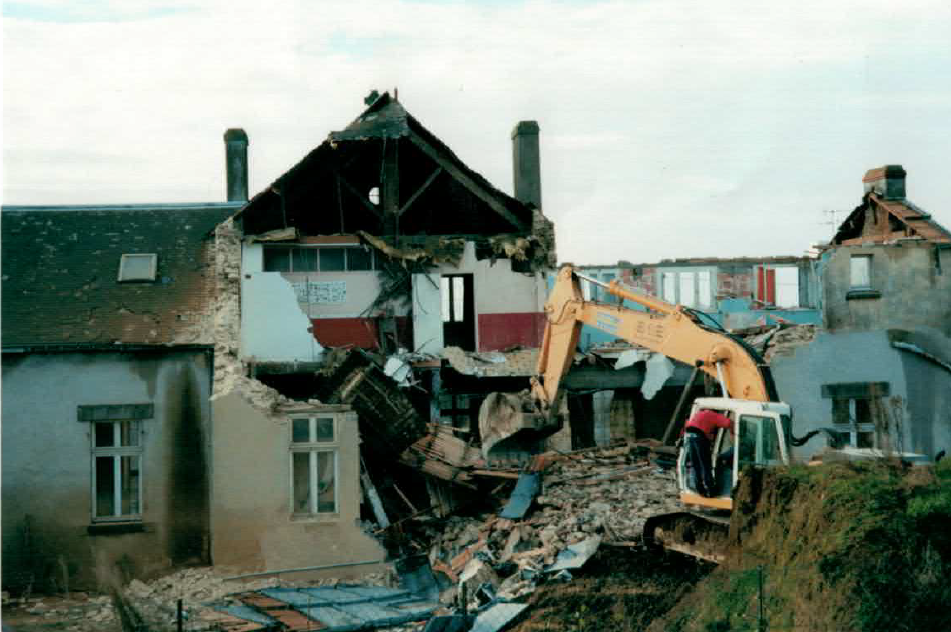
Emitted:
<point x="591" y="498"/>
<point x="155" y="603"/>
<point x="77" y="612"/>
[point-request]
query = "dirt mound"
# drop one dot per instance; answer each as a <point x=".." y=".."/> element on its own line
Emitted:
<point x="621" y="589"/>
<point x="845" y="546"/>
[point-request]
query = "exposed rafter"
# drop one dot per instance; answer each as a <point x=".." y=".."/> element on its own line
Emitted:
<point x="467" y="182"/>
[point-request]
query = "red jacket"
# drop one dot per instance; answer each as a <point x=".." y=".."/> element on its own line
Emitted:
<point x="708" y="421"/>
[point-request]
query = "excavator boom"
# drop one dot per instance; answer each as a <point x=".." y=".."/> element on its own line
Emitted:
<point x="668" y="329"/>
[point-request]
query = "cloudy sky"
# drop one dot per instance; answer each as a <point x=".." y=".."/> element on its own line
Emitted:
<point x="670" y="128"/>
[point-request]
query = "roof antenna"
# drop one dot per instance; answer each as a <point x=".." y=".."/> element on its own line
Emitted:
<point x="396" y="94"/>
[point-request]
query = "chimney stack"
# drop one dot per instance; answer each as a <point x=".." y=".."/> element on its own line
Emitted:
<point x="236" y="164"/>
<point x="526" y="164"/>
<point x="887" y="181"/>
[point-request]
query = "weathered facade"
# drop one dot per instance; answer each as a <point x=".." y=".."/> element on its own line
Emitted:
<point x="879" y="376"/>
<point x="107" y="371"/>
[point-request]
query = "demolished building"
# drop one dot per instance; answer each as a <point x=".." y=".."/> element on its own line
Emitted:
<point x="877" y="374"/>
<point x="380" y="258"/>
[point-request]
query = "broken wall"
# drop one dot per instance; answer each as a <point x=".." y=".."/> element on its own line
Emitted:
<point x="253" y="527"/>
<point x="48" y="527"/>
<point x="509" y="306"/>
<point x="274" y="325"/>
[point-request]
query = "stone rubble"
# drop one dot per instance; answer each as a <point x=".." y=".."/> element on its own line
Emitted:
<point x="609" y="492"/>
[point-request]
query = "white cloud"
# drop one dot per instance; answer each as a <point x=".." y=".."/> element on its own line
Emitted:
<point x="669" y="127"/>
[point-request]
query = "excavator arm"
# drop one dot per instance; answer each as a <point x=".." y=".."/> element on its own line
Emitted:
<point x="510" y="424"/>
<point x="668" y="329"/>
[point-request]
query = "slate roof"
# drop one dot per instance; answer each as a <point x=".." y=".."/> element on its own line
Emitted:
<point x="60" y="268"/>
<point x="915" y="221"/>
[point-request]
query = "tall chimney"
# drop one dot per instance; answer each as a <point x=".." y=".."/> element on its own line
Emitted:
<point x="526" y="163"/>
<point x="887" y="181"/>
<point x="236" y="164"/>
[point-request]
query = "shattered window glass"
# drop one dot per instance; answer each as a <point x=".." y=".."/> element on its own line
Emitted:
<point x="331" y="259"/>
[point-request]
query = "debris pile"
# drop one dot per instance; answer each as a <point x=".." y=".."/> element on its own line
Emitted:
<point x="590" y="498"/>
<point x="77" y="612"/>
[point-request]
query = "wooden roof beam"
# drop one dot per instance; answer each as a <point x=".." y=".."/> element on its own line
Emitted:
<point x="467" y="182"/>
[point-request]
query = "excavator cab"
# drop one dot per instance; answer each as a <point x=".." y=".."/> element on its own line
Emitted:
<point x="758" y="437"/>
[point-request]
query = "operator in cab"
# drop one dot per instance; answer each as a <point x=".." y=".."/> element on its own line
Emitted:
<point x="699" y="433"/>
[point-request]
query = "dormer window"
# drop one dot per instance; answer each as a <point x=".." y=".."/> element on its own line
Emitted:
<point x="138" y="267"/>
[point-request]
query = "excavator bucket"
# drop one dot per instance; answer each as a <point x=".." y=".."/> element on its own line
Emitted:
<point x="512" y="429"/>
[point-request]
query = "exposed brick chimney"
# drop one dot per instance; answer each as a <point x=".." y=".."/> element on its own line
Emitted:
<point x="236" y="164"/>
<point x="887" y="181"/>
<point x="526" y="165"/>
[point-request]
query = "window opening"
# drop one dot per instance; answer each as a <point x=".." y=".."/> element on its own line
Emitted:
<point x="117" y="475"/>
<point x="853" y="422"/>
<point x="313" y="466"/>
<point x="669" y="287"/>
<point x="860" y="272"/>
<point x="687" y="289"/>
<point x="318" y="259"/>
<point x="703" y="289"/>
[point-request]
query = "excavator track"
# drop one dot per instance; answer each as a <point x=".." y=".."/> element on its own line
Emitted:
<point x="698" y="535"/>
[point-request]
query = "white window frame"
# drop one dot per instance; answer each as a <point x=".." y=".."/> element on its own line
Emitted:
<point x="318" y="247"/>
<point x="117" y="451"/>
<point x="707" y="303"/>
<point x="313" y="447"/>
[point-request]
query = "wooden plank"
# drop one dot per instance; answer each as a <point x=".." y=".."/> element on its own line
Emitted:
<point x="420" y="190"/>
<point x="467" y="182"/>
<point x="363" y="198"/>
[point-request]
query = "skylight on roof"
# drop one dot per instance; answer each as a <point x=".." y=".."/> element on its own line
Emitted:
<point x="138" y="267"/>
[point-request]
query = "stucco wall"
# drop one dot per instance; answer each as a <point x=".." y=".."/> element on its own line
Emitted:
<point x="832" y="359"/>
<point x="251" y="523"/>
<point x="47" y="463"/>
<point x="928" y="404"/>
<point x="915" y="291"/>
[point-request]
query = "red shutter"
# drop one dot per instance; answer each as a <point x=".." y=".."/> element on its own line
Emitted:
<point x="765" y="285"/>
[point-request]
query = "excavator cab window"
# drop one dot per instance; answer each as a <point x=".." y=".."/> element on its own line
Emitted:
<point x="759" y="443"/>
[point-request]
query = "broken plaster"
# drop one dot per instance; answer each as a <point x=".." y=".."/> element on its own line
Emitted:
<point x="230" y="372"/>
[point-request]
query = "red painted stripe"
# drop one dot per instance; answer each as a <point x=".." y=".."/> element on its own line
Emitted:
<point x="501" y="331"/>
<point x="358" y="332"/>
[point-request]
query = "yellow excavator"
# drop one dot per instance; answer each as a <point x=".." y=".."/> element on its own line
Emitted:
<point x="761" y="433"/>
